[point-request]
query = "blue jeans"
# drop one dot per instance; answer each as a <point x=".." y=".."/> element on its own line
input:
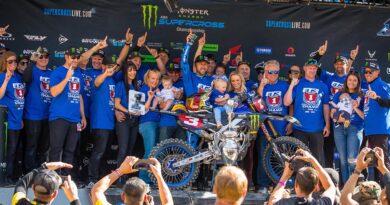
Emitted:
<point x="262" y="177"/>
<point x="149" y="132"/>
<point x="348" y="141"/>
<point x="218" y="111"/>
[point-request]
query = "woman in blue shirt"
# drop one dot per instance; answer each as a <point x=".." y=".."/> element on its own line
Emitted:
<point x="127" y="128"/>
<point x="348" y="139"/>
<point x="11" y="96"/>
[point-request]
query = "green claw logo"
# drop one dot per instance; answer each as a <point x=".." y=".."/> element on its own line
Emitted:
<point x="254" y="123"/>
<point x="148" y="13"/>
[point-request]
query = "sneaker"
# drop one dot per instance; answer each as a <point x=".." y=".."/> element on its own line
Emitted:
<point x="263" y="190"/>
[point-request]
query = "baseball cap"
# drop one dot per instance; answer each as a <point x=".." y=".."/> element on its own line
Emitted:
<point x="260" y="67"/>
<point x="46" y="182"/>
<point x="367" y="193"/>
<point x="23" y="56"/>
<point x="83" y="50"/>
<point x="173" y="66"/>
<point x="371" y="65"/>
<point x="99" y="52"/>
<point x="201" y="58"/>
<point x="73" y="51"/>
<point x="135" y="54"/>
<point x="244" y="62"/>
<point x="312" y="61"/>
<point x="341" y="58"/>
<point x="42" y="50"/>
<point x="163" y="50"/>
<point x="107" y="60"/>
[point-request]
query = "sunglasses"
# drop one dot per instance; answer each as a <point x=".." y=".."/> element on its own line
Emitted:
<point x="12" y="61"/>
<point x="275" y="72"/>
<point x="353" y="72"/>
<point x="75" y="57"/>
<point x="44" y="57"/>
<point x="23" y="62"/>
<point x="368" y="72"/>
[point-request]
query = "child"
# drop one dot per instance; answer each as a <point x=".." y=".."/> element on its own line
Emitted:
<point x="344" y="108"/>
<point x="220" y="71"/>
<point x="165" y="97"/>
<point x="218" y="99"/>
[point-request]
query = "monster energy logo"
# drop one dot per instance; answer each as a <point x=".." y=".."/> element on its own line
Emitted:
<point x="254" y="123"/>
<point x="148" y="14"/>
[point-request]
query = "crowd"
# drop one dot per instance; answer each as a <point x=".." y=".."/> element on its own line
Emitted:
<point x="58" y="107"/>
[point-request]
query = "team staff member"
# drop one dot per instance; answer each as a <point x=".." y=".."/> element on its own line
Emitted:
<point x="36" y="111"/>
<point x="66" y="118"/>
<point x="12" y="96"/>
<point x="102" y="115"/>
<point x="311" y="108"/>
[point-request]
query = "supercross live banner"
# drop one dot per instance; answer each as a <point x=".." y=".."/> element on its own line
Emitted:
<point x="286" y="32"/>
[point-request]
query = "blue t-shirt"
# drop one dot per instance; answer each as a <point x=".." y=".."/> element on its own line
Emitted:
<point x="250" y="85"/>
<point x="273" y="97"/>
<point x="377" y="118"/>
<point x="355" y="118"/>
<point x="334" y="82"/>
<point x="121" y="93"/>
<point x="214" y="95"/>
<point x="169" y="120"/>
<point x="38" y="98"/>
<point x="14" y="99"/>
<point x="149" y="116"/>
<point x="66" y="105"/>
<point x="88" y="82"/>
<point x="193" y="82"/>
<point x="309" y="99"/>
<point x="102" y="106"/>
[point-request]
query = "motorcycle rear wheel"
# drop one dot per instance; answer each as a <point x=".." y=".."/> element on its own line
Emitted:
<point x="167" y="153"/>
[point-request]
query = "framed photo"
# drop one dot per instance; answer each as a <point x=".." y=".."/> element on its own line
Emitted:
<point x="136" y="102"/>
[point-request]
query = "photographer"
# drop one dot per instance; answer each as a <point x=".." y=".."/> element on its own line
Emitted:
<point x="135" y="191"/>
<point x="306" y="181"/>
<point x="363" y="161"/>
<point x="45" y="183"/>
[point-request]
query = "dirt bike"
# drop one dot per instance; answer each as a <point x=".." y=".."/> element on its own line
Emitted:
<point x="180" y="162"/>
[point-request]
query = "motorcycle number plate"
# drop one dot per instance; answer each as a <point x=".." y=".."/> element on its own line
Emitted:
<point x="191" y="121"/>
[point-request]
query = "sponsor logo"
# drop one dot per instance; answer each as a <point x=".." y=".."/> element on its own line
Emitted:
<point x="6" y="37"/>
<point x="290" y="52"/>
<point x="371" y="55"/>
<point x="336" y="87"/>
<point x="18" y="90"/>
<point x="149" y="15"/>
<point x="59" y="54"/>
<point x="235" y="49"/>
<point x="74" y="85"/>
<point x="90" y="40"/>
<point x="210" y="47"/>
<point x="192" y="13"/>
<point x="274" y="98"/>
<point x="148" y="59"/>
<point x="191" y="23"/>
<point x="310" y="95"/>
<point x="263" y="50"/>
<point x="187" y="30"/>
<point x="28" y="51"/>
<point x="69" y="12"/>
<point x="117" y="43"/>
<point x="62" y="39"/>
<point x="35" y="38"/>
<point x="176" y="46"/>
<point x="45" y="81"/>
<point x="287" y="24"/>
<point x="114" y="147"/>
<point x="385" y="31"/>
<point x="388" y="71"/>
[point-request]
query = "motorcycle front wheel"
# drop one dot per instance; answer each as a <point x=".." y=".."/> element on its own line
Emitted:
<point x="271" y="163"/>
<point x="169" y="152"/>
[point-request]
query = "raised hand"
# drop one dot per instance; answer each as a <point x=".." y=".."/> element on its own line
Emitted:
<point x="354" y="52"/>
<point x="3" y="30"/>
<point x="155" y="167"/>
<point x="8" y="75"/>
<point x="239" y="58"/>
<point x="323" y="48"/>
<point x="152" y="51"/>
<point x="142" y="39"/>
<point x="294" y="81"/>
<point x="226" y="57"/>
<point x="127" y="165"/>
<point x="69" y="74"/>
<point x="202" y="40"/>
<point x="129" y="36"/>
<point x="189" y="36"/>
<point x="102" y="44"/>
<point x="35" y="55"/>
<point x="361" y="162"/>
<point x="264" y="81"/>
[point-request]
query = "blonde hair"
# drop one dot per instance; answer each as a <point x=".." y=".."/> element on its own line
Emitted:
<point x="216" y="81"/>
<point x="146" y="76"/>
<point x="3" y="60"/>
<point x="230" y="87"/>
<point x="166" y="78"/>
<point x="231" y="184"/>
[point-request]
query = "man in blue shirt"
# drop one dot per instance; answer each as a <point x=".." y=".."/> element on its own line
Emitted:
<point x="311" y="108"/>
<point x="66" y="113"/>
<point x="376" y="118"/>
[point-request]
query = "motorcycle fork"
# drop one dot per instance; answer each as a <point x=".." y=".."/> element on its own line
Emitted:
<point x="270" y="139"/>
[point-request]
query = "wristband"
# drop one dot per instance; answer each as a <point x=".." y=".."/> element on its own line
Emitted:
<point x="117" y="172"/>
<point x="355" y="171"/>
<point x="127" y="44"/>
<point x="44" y="165"/>
<point x="282" y="183"/>
<point x="351" y="59"/>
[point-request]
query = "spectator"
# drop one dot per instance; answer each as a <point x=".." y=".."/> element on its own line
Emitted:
<point x="306" y="181"/>
<point x="230" y="186"/>
<point x="244" y="67"/>
<point x="135" y="191"/>
<point x="12" y="96"/>
<point x="362" y="163"/>
<point x="23" y="61"/>
<point x="310" y="98"/>
<point x="294" y="72"/>
<point x="45" y="183"/>
<point x="376" y="118"/>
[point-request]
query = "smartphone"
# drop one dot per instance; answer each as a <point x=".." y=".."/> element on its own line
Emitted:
<point x="374" y="160"/>
<point x="142" y="164"/>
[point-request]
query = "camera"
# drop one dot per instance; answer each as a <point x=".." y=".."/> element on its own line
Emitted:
<point x="374" y="160"/>
<point x="296" y="164"/>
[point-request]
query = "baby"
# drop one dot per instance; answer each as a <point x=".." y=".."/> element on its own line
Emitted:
<point x="344" y="108"/>
<point x="220" y="71"/>
<point x="219" y="98"/>
<point x="165" y="97"/>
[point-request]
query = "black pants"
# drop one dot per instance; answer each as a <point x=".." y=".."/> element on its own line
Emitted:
<point x="100" y="139"/>
<point x="63" y="139"/>
<point x="381" y="142"/>
<point x="169" y="132"/>
<point x="329" y="147"/>
<point x="126" y="133"/>
<point x="315" y="142"/>
<point x="13" y="138"/>
<point x="37" y="143"/>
